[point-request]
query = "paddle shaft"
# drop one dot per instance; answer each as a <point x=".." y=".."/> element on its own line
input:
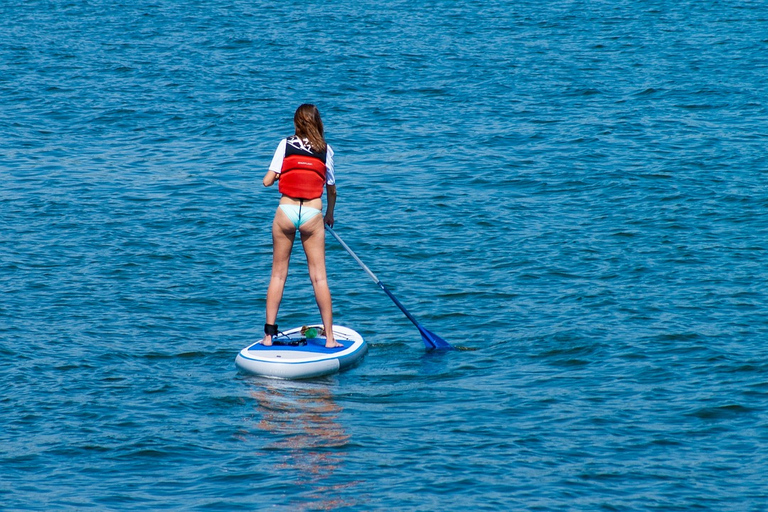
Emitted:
<point x="373" y="276"/>
<point x="352" y="253"/>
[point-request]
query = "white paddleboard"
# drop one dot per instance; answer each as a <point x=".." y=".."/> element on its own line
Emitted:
<point x="294" y="356"/>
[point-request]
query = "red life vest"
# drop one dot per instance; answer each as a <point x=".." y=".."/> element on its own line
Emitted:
<point x="303" y="172"/>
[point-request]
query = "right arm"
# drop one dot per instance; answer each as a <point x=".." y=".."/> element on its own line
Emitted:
<point x="331" y="200"/>
<point x="330" y="186"/>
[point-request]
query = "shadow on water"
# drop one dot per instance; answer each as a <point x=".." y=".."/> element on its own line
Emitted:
<point x="307" y="442"/>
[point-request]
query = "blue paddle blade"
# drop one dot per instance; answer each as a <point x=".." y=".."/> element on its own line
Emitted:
<point x="432" y="341"/>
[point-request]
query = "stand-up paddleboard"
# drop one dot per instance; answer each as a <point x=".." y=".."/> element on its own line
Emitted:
<point x="294" y="355"/>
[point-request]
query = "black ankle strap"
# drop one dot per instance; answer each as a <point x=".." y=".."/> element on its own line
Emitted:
<point x="270" y="329"/>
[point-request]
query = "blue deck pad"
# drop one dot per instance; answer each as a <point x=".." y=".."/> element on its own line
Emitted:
<point x="316" y="345"/>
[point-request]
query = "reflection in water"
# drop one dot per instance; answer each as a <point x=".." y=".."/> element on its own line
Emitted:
<point x="301" y="418"/>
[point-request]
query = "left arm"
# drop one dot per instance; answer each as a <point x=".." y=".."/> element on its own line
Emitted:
<point x="273" y="174"/>
<point x="270" y="178"/>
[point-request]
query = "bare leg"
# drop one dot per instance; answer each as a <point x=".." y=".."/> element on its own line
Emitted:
<point x="283" y="235"/>
<point x="313" y="240"/>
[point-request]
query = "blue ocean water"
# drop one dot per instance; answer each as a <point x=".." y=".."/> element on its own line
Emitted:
<point x="573" y="192"/>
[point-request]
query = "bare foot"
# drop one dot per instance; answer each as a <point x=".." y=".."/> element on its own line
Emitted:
<point x="331" y="343"/>
<point x="267" y="341"/>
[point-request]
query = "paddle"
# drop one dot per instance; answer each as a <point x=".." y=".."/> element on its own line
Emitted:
<point x="431" y="340"/>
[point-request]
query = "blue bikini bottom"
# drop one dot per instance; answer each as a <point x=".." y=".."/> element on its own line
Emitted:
<point x="299" y="214"/>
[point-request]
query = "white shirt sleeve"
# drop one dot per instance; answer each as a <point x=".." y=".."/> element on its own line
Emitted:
<point x="277" y="161"/>
<point x="330" y="176"/>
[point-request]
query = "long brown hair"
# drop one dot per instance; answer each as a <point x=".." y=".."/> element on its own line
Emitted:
<point x="309" y="126"/>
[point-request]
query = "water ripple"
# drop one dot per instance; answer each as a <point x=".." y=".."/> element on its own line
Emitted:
<point x="573" y="194"/>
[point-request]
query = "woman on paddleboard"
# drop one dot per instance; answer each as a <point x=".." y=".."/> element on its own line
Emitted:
<point x="303" y="167"/>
